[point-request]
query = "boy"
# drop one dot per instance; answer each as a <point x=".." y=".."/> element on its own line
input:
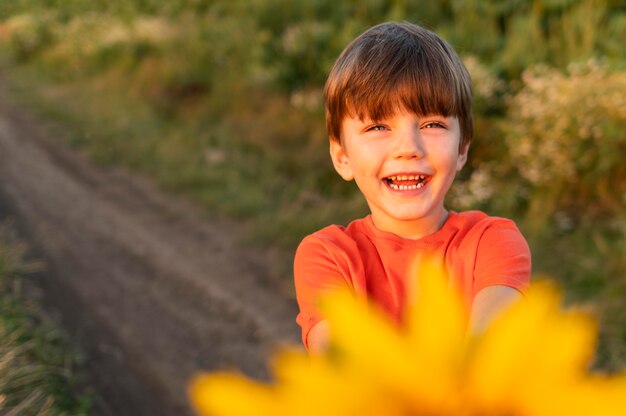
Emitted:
<point x="399" y="117"/>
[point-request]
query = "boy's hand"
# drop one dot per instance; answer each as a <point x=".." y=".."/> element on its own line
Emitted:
<point x="318" y="337"/>
<point x="488" y="303"/>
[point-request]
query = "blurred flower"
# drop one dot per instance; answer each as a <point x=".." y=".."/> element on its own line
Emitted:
<point x="530" y="361"/>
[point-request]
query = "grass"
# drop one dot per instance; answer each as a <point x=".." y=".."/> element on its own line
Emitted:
<point x="37" y="366"/>
<point x="591" y="268"/>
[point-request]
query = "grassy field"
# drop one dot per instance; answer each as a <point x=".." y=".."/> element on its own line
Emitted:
<point x="220" y="101"/>
<point x="37" y="366"/>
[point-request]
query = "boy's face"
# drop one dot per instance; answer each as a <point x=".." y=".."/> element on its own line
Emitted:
<point x="404" y="166"/>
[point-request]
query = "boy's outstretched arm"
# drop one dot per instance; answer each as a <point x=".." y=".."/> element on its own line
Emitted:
<point x="488" y="303"/>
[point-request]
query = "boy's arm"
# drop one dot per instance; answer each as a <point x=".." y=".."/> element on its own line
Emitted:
<point x="316" y="273"/>
<point x="318" y="337"/>
<point x="501" y="272"/>
<point x="488" y="303"/>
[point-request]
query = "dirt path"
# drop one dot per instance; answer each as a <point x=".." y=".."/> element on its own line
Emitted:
<point x="150" y="289"/>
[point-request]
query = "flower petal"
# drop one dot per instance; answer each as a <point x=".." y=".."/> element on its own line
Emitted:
<point x="228" y="394"/>
<point x="436" y="332"/>
<point x="530" y="349"/>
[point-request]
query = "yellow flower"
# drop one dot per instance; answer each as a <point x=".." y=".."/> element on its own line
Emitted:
<point x="530" y="361"/>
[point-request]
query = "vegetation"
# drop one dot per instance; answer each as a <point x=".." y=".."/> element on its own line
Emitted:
<point x="221" y="100"/>
<point x="36" y="369"/>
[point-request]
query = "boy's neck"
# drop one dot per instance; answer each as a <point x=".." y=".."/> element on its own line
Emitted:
<point x="413" y="229"/>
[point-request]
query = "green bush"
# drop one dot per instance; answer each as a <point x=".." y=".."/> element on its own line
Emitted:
<point x="565" y="135"/>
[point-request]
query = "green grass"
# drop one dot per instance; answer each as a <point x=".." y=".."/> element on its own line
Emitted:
<point x="37" y="366"/>
<point x="590" y="266"/>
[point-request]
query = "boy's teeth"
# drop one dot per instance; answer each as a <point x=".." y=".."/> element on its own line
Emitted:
<point x="391" y="181"/>
<point x="407" y="178"/>
<point x="406" y="187"/>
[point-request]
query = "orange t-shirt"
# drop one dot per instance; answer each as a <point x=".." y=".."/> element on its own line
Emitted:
<point x="477" y="251"/>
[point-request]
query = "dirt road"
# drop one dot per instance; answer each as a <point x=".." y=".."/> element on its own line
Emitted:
<point x="147" y="286"/>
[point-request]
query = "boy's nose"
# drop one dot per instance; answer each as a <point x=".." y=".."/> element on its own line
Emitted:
<point x="409" y="144"/>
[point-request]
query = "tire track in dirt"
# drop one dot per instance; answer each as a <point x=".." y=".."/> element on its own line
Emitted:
<point x="150" y="288"/>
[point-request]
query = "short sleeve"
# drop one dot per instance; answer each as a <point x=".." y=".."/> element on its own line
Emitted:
<point x="315" y="273"/>
<point x="502" y="258"/>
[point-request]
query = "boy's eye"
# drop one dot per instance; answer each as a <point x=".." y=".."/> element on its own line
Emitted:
<point x="434" y="125"/>
<point x="377" y="127"/>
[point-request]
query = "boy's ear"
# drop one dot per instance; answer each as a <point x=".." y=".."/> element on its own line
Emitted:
<point x="341" y="162"/>
<point x="460" y="162"/>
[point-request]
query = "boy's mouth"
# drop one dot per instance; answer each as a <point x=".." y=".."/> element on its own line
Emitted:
<point x="406" y="182"/>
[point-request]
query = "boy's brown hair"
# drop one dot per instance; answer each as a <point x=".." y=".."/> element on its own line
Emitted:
<point x="393" y="66"/>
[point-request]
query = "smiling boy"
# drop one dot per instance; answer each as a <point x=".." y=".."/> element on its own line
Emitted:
<point x="398" y="112"/>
